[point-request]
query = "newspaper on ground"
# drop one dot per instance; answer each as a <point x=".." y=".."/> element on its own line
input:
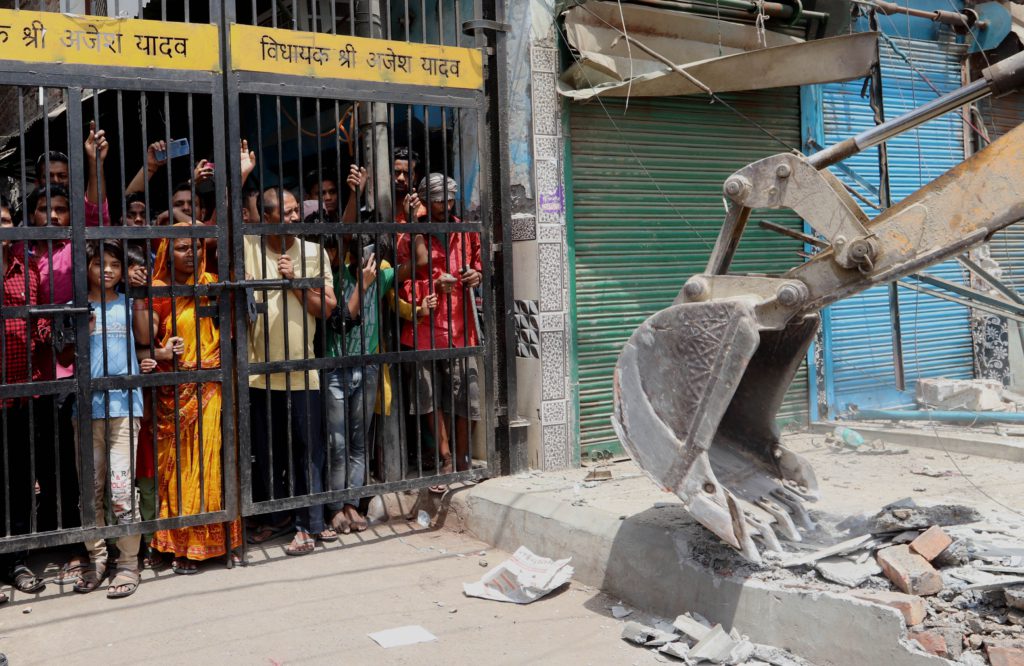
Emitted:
<point x="400" y="636"/>
<point x="522" y="579"/>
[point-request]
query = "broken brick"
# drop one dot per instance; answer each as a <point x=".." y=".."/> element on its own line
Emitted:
<point x="931" y="542"/>
<point x="931" y="641"/>
<point x="1005" y="656"/>
<point x="909" y="571"/>
<point x="912" y="608"/>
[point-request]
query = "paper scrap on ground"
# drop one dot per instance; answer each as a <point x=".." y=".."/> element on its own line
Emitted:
<point x="522" y="579"/>
<point x="400" y="636"/>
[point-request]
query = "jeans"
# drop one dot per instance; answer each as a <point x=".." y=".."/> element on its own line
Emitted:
<point x="304" y="428"/>
<point x="348" y="421"/>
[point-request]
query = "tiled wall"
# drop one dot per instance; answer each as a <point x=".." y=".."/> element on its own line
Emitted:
<point x="542" y="261"/>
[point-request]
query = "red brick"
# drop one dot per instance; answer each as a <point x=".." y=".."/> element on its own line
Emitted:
<point x="1005" y="656"/>
<point x="912" y="608"/>
<point x="931" y="641"/>
<point x="909" y="571"/>
<point x="931" y="542"/>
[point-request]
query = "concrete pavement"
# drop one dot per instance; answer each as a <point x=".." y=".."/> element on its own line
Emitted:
<point x="318" y="609"/>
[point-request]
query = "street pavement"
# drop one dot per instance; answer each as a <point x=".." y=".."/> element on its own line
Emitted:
<point x="317" y="609"/>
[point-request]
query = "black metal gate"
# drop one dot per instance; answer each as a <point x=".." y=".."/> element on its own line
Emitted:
<point x="323" y="139"/>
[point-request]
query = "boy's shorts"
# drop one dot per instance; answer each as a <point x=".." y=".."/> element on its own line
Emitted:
<point x="457" y="381"/>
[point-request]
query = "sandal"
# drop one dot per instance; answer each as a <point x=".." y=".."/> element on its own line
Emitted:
<point x="184" y="570"/>
<point x="92" y="576"/>
<point x="25" y="580"/>
<point x="71" y="572"/>
<point x="302" y="544"/>
<point x="446" y="468"/>
<point x="327" y="535"/>
<point x="355" y="518"/>
<point x="265" y="533"/>
<point x="340" y="523"/>
<point x="124" y="578"/>
<point x="151" y="558"/>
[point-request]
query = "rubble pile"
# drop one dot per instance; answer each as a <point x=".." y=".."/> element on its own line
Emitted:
<point x="692" y="640"/>
<point x="958" y="582"/>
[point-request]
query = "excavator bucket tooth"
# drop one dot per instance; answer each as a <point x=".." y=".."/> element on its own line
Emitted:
<point x="697" y="390"/>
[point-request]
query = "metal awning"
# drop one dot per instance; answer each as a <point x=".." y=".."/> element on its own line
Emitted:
<point x="723" y="56"/>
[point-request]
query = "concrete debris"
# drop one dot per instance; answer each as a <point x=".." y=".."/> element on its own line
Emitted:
<point x="619" y="612"/>
<point x="972" y="659"/>
<point x="844" y="572"/>
<point x="908" y="571"/>
<point x="741" y="652"/>
<point x="598" y="474"/>
<point x="847" y="546"/>
<point x="716" y="647"/>
<point x="1014" y="597"/>
<point x="677" y="650"/>
<point x="991" y="568"/>
<point x="777" y="657"/>
<point x="899" y="518"/>
<point x="976" y="395"/>
<point x="659" y="638"/>
<point x="995" y="585"/>
<point x="931" y="542"/>
<point x="1015" y="616"/>
<point x="955" y="555"/>
<point x="634" y="632"/>
<point x="691" y="627"/>
<point x="905" y="537"/>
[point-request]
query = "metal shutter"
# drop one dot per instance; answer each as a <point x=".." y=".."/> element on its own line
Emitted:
<point x="935" y="333"/>
<point x="646" y="210"/>
<point x="1007" y="247"/>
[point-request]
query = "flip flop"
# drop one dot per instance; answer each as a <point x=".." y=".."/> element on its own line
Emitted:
<point x="340" y="523"/>
<point x="267" y="533"/>
<point x="183" y="571"/>
<point x="327" y="535"/>
<point x="299" y="547"/>
<point x="92" y="576"/>
<point x="26" y="581"/>
<point x="70" y="573"/>
<point x="124" y="578"/>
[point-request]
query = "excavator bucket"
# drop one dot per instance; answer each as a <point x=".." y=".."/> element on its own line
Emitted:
<point x="697" y="390"/>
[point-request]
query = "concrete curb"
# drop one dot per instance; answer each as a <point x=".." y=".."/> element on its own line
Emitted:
<point x="939" y="439"/>
<point x="644" y="561"/>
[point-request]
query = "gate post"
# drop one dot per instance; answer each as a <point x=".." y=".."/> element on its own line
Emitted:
<point x="509" y="427"/>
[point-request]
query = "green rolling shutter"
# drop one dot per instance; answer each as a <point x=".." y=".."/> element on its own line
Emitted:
<point x="646" y="209"/>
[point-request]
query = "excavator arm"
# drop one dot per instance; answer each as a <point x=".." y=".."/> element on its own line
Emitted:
<point x="698" y="385"/>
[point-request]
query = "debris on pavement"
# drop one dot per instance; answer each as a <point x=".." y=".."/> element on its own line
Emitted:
<point x="844" y="572"/>
<point x="619" y="612"/>
<point x="521" y="579"/>
<point x="701" y="642"/>
<point x="976" y="395"/>
<point x="907" y="515"/>
<point x="599" y="474"/>
<point x="399" y="636"/>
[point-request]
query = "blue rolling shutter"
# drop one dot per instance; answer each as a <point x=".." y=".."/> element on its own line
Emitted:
<point x="936" y="336"/>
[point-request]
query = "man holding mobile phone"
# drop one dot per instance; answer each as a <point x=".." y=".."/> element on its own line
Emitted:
<point x="452" y="272"/>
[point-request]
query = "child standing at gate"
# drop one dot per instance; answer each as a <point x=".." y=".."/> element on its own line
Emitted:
<point x="116" y="415"/>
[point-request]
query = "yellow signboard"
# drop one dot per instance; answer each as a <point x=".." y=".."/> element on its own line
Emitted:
<point x="97" y="40"/>
<point x="276" y="51"/>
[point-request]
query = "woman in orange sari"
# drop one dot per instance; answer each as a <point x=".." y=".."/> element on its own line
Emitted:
<point x="181" y="261"/>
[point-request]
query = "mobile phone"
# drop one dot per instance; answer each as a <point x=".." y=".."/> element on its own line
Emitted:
<point x="176" y="148"/>
<point x="367" y="251"/>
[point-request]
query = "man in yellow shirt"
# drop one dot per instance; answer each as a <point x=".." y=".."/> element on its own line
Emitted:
<point x="285" y="406"/>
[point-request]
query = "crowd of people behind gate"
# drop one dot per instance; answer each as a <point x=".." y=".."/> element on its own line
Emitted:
<point x="157" y="451"/>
